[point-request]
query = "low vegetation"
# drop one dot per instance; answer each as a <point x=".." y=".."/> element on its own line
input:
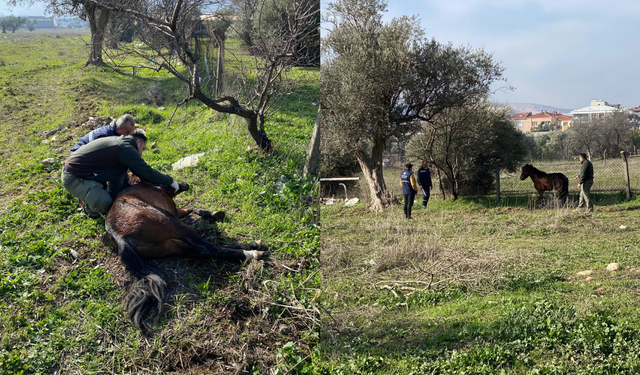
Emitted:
<point x="477" y="287"/>
<point x="61" y="284"/>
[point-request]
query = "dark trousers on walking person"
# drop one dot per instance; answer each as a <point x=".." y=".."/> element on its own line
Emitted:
<point x="426" y="193"/>
<point x="408" y="203"/>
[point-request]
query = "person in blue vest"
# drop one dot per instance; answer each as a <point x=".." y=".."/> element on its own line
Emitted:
<point x="424" y="180"/>
<point x="122" y="126"/>
<point x="409" y="189"/>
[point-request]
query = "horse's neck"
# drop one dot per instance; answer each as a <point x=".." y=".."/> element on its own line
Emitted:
<point x="538" y="174"/>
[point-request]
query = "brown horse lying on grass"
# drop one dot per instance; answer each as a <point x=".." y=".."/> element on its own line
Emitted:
<point x="546" y="181"/>
<point x="144" y="223"/>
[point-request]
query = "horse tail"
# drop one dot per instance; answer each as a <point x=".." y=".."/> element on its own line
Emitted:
<point x="145" y="299"/>
<point x="565" y="187"/>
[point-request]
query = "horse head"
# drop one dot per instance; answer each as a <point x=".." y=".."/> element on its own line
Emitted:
<point x="526" y="170"/>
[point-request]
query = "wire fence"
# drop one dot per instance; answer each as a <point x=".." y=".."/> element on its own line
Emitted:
<point x="610" y="176"/>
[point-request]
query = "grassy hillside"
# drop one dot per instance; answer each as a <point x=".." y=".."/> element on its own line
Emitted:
<point x="62" y="286"/>
<point x="471" y="287"/>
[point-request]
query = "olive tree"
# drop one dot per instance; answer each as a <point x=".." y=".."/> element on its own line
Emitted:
<point x="95" y="13"/>
<point x="11" y="23"/>
<point x="379" y="80"/>
<point x="168" y="31"/>
<point x="467" y="145"/>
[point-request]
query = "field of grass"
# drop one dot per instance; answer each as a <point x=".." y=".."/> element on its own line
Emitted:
<point x="478" y="287"/>
<point x="62" y="286"/>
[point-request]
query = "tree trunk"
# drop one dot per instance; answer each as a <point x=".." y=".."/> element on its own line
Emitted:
<point x="98" y="19"/>
<point x="313" y="157"/>
<point x="258" y="134"/>
<point x="444" y="196"/>
<point x="113" y="37"/>
<point x="220" y="70"/>
<point x="372" y="170"/>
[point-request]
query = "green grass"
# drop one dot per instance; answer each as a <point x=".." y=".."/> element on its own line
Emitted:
<point x="476" y="286"/>
<point x="61" y="285"/>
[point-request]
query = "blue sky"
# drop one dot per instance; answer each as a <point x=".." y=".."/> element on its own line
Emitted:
<point x="33" y="10"/>
<point x="561" y="53"/>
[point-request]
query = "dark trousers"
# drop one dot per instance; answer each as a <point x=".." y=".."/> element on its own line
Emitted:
<point x="426" y="193"/>
<point x="408" y="203"/>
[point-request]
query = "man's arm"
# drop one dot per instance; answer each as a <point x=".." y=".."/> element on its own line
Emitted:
<point x="413" y="182"/>
<point x="132" y="159"/>
<point x="104" y="131"/>
<point x="583" y="172"/>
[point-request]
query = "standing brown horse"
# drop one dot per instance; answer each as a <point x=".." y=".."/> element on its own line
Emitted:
<point x="546" y="181"/>
<point x="144" y="223"/>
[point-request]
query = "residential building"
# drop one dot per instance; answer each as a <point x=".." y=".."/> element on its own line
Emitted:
<point x="565" y="121"/>
<point x="521" y="121"/>
<point x="527" y="122"/>
<point x="598" y="109"/>
<point x="634" y="116"/>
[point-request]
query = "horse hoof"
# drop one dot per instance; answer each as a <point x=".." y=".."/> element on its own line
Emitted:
<point x="217" y="216"/>
<point x="254" y="254"/>
<point x="256" y="245"/>
<point x="183" y="186"/>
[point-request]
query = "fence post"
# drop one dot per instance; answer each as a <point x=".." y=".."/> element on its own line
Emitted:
<point x="626" y="173"/>
<point x="498" y="184"/>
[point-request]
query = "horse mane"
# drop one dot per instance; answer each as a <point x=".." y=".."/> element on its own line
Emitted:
<point x="533" y="169"/>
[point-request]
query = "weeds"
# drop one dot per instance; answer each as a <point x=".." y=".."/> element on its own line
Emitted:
<point x="509" y="298"/>
<point x="62" y="287"/>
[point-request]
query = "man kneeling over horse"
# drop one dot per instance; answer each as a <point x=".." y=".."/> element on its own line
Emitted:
<point x="97" y="171"/>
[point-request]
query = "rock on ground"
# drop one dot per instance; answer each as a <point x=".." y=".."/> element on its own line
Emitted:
<point x="613" y="267"/>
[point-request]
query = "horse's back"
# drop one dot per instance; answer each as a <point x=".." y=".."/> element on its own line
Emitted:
<point x="144" y="216"/>
<point x="149" y="194"/>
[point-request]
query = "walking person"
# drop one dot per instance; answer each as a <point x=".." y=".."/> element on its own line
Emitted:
<point x="424" y="180"/>
<point x="585" y="183"/>
<point x="409" y="189"/>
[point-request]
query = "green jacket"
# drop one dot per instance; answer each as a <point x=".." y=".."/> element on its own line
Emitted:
<point x="108" y="159"/>
<point x="586" y="171"/>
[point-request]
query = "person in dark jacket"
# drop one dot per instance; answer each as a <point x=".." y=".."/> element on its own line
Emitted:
<point x="586" y="182"/>
<point x="122" y="126"/>
<point x="424" y="180"/>
<point x="97" y="171"/>
<point x="409" y="189"/>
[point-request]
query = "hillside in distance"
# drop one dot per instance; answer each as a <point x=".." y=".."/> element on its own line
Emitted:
<point x="534" y="108"/>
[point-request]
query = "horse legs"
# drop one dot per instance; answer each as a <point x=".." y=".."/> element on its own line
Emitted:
<point x="205" y="248"/>
<point x="207" y="215"/>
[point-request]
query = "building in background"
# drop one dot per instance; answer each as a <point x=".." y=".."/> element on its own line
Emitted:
<point x="634" y="116"/>
<point x="598" y="109"/>
<point x="43" y="22"/>
<point x="521" y="121"/>
<point x="541" y="121"/>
